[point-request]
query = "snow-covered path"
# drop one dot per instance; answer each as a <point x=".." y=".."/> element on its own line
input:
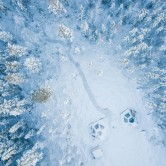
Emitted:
<point x="104" y="111"/>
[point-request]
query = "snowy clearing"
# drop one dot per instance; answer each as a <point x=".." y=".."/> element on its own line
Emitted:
<point x="92" y="85"/>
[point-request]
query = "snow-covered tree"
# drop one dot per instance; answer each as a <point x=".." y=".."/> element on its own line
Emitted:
<point x="8" y="153"/>
<point x="65" y="32"/>
<point x="16" y="126"/>
<point x="56" y="7"/>
<point x="16" y="50"/>
<point x="12" y="66"/>
<point x="19" y="4"/>
<point x="30" y="134"/>
<point x="142" y="14"/>
<point x="5" y="36"/>
<point x="81" y="13"/>
<point x="31" y="157"/>
<point x="15" y="134"/>
<point x="41" y="95"/>
<point x="85" y="28"/>
<point x="33" y="64"/>
<point x="14" y="78"/>
<point x="13" y="107"/>
<point x="3" y="8"/>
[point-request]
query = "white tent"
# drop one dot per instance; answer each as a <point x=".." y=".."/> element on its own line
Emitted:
<point x="99" y="129"/>
<point x="97" y="152"/>
<point x="129" y="117"/>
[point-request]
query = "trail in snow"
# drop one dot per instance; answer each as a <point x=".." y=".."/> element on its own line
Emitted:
<point x="104" y="111"/>
<point x="50" y="40"/>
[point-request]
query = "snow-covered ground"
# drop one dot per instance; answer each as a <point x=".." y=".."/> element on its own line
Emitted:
<point x="91" y="87"/>
<point x="72" y="62"/>
<point x="88" y="85"/>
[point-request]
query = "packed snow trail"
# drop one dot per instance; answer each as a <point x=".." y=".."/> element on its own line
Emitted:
<point x="104" y="111"/>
